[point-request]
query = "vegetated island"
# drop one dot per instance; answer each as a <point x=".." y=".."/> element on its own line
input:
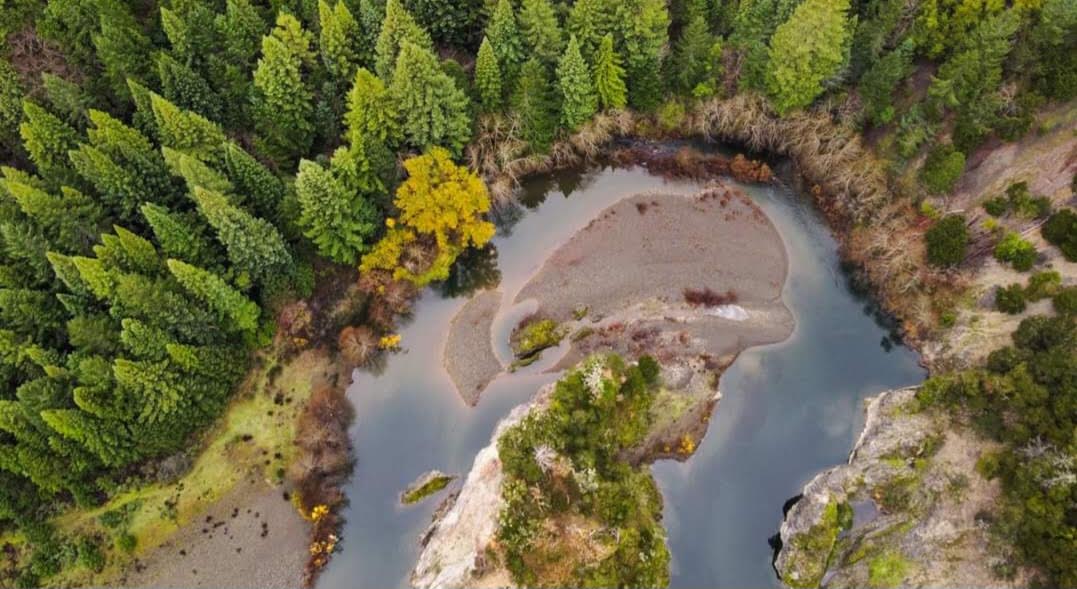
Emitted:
<point x="655" y="307"/>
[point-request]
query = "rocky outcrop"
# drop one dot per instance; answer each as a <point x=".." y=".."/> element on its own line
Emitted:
<point x="905" y="510"/>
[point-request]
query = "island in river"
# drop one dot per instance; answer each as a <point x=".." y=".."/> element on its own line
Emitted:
<point x="688" y="280"/>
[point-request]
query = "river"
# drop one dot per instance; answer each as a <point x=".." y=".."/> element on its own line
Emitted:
<point x="787" y="410"/>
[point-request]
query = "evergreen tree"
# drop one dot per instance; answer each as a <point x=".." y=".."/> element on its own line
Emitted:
<point x="339" y="220"/>
<point x="373" y="115"/>
<point x="590" y="21"/>
<point x="254" y="246"/>
<point x="433" y="110"/>
<point x="541" y="32"/>
<point x="450" y="22"/>
<point x="609" y="76"/>
<point x="10" y="106"/>
<point x="534" y="104"/>
<point x="229" y="303"/>
<point x="646" y="36"/>
<point x="186" y="88"/>
<point x="262" y="190"/>
<point x="178" y="237"/>
<point x="805" y="51"/>
<point x="696" y="58"/>
<point x="68" y="99"/>
<point x="397" y="29"/>
<point x="578" y="101"/>
<point x="878" y="83"/>
<point x="283" y="103"/>
<point x="240" y="28"/>
<point x="488" y="77"/>
<point x="122" y="48"/>
<point x="508" y="44"/>
<point x="196" y="173"/>
<point x="186" y="131"/>
<point x="48" y="139"/>
<point x="339" y="40"/>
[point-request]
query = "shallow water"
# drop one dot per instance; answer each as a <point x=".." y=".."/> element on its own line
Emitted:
<point x="787" y="409"/>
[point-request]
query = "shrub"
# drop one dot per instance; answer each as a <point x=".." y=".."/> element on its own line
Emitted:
<point x="1010" y="299"/>
<point x="996" y="207"/>
<point x="126" y="542"/>
<point x="89" y="555"/>
<point x="1065" y="302"/>
<point x="1060" y="230"/>
<point x="1043" y="284"/>
<point x="942" y="169"/>
<point x="670" y="115"/>
<point x="947" y="241"/>
<point x="1020" y="200"/>
<point x="1014" y="250"/>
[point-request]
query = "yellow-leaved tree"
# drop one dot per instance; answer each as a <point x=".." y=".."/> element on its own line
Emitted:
<point x="441" y="207"/>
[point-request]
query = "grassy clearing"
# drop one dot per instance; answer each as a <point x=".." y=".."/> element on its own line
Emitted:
<point x="256" y="433"/>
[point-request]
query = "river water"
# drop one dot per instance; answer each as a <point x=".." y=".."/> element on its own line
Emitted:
<point x="787" y="410"/>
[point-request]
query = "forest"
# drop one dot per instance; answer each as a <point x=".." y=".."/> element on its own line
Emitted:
<point x="175" y="171"/>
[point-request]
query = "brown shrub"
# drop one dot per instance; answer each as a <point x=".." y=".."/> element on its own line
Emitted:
<point x="357" y="344"/>
<point x="706" y="297"/>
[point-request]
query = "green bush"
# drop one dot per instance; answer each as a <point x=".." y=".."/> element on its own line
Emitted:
<point x="1010" y="299"/>
<point x="1060" y="230"/>
<point x="1014" y="250"/>
<point x="1043" y="285"/>
<point x="996" y="207"/>
<point x="1065" y="302"/>
<point x="942" y="168"/>
<point x="947" y="241"/>
<point x="1020" y="200"/>
<point x="89" y="555"/>
<point x="126" y="542"/>
<point x="670" y="115"/>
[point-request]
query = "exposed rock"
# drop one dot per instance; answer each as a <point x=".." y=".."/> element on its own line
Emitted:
<point x="903" y="511"/>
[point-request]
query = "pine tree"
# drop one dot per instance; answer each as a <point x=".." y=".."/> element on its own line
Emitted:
<point x="186" y="88"/>
<point x="122" y="48"/>
<point x="283" y="103"/>
<point x="48" y="139"/>
<point x="240" y="28"/>
<point x="261" y="189"/>
<point x="508" y="44"/>
<point x="372" y="113"/>
<point x="646" y="35"/>
<point x="370" y="16"/>
<point x="144" y="342"/>
<point x="878" y="82"/>
<point x="254" y="246"/>
<point x="433" y="110"/>
<point x="609" y="76"/>
<point x="534" y="104"/>
<point x="578" y="101"/>
<point x="450" y="22"/>
<point x="397" y="29"/>
<point x="338" y="220"/>
<point x="230" y="304"/>
<point x="178" y="237"/>
<point x="68" y="99"/>
<point x="805" y="51"/>
<point x="696" y="58"/>
<point x="10" y="105"/>
<point x="541" y="31"/>
<point x="339" y="40"/>
<point x="186" y="131"/>
<point x="590" y="22"/>
<point x="488" y="77"/>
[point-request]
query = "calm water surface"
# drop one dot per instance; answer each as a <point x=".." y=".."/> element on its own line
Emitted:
<point x="787" y="411"/>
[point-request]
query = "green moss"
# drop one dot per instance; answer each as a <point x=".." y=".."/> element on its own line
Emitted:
<point x="425" y="490"/>
<point x="812" y="550"/>
<point x="887" y="569"/>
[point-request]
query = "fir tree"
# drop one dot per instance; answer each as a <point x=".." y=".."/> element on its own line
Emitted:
<point x="609" y="76"/>
<point x="230" y="304"/>
<point x="10" y="105"/>
<point x="397" y="29"/>
<point x="48" y="139"/>
<point x="68" y="99"/>
<point x="805" y="51"/>
<point x="283" y="103"/>
<point x="541" y="32"/>
<point x="488" y="77"/>
<point x="578" y="101"/>
<point x="450" y="22"/>
<point x="122" y="48"/>
<point x="186" y="131"/>
<point x="340" y="221"/>
<point x="253" y="245"/>
<point x="339" y="40"/>
<point x="186" y="88"/>
<point x="878" y="83"/>
<point x="372" y="113"/>
<point x="534" y="104"/>
<point x="178" y="237"/>
<point x="259" y="187"/>
<point x="508" y="44"/>
<point x="240" y="28"/>
<point x="433" y="110"/>
<point x="645" y="37"/>
<point x="590" y="22"/>
<point x="696" y="58"/>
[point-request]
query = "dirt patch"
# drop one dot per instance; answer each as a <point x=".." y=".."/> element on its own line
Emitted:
<point x="469" y="354"/>
<point x="253" y="537"/>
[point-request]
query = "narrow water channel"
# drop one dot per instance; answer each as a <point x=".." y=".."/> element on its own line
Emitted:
<point x="787" y="410"/>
